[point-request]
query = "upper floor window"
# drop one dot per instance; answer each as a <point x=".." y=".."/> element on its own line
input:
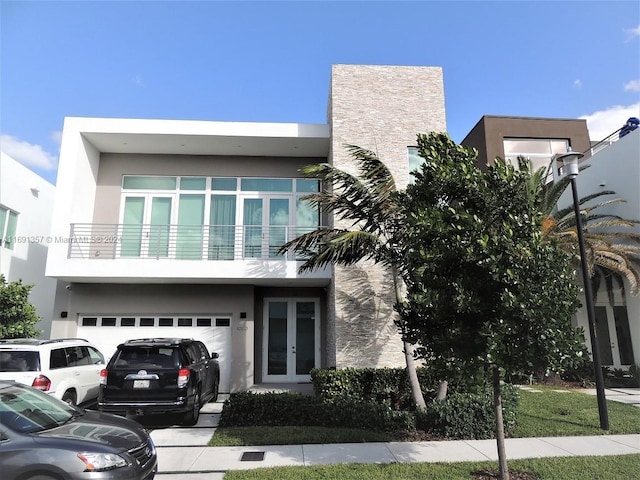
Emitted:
<point x="415" y="161"/>
<point x="539" y="151"/>
<point x="219" y="218"/>
<point x="8" y="224"/>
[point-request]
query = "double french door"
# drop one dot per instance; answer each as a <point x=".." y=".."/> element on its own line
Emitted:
<point x="291" y="339"/>
<point x="153" y="227"/>
<point x="614" y="336"/>
<point x="145" y="230"/>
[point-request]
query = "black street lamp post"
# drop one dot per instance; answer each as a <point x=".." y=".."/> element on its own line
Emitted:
<point x="570" y="161"/>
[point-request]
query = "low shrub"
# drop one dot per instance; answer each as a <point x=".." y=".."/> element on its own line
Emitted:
<point x="293" y="409"/>
<point x="461" y="415"/>
<point x="468" y="415"/>
<point x="388" y="385"/>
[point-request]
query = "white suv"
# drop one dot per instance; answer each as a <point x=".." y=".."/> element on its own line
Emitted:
<point x="67" y="368"/>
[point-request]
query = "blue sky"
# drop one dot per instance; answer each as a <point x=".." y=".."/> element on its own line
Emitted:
<point x="269" y="61"/>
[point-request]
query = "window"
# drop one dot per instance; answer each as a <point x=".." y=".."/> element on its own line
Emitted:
<point x="109" y="322"/>
<point x="215" y="218"/>
<point x="539" y="151"/>
<point x="8" y="224"/>
<point x="415" y="162"/>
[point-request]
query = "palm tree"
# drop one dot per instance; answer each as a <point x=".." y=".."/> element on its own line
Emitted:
<point x="368" y="201"/>
<point x="611" y="243"/>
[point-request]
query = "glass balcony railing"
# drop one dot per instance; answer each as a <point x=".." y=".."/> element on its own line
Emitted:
<point x="181" y="242"/>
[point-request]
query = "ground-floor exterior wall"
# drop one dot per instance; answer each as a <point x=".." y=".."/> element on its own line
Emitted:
<point x="365" y="332"/>
<point x="230" y="320"/>
<point x="617" y="328"/>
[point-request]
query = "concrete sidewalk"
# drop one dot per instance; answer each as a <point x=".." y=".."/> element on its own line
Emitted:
<point x="204" y="462"/>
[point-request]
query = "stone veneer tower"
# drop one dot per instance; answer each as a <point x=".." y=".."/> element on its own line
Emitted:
<point x="381" y="108"/>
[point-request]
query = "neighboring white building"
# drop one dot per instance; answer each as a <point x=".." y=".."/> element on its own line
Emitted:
<point x="171" y="228"/>
<point x="26" y="205"/>
<point x="616" y="168"/>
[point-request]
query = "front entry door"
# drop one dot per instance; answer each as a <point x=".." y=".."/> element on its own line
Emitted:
<point x="614" y="336"/>
<point x="291" y="346"/>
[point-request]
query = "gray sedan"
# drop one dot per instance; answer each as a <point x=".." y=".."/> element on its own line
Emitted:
<point x="43" y="438"/>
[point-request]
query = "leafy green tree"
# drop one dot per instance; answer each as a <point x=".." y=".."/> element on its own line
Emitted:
<point x="486" y="291"/>
<point x="611" y="241"/>
<point x="369" y="202"/>
<point x="17" y="316"/>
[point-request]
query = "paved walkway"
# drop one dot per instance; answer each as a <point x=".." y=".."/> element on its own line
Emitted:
<point x="183" y="454"/>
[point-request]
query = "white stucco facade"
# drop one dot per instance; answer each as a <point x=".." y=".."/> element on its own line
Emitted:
<point x="31" y="198"/>
<point x="614" y="168"/>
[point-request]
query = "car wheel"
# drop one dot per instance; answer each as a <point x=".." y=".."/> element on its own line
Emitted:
<point x="214" y="393"/>
<point x="69" y="397"/>
<point x="191" y="417"/>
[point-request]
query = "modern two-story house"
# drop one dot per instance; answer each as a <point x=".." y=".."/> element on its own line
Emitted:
<point x="171" y="228"/>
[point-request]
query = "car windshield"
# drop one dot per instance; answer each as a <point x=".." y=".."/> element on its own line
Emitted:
<point x="19" y="361"/>
<point x="26" y="410"/>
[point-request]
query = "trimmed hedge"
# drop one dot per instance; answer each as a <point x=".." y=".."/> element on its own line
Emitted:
<point x="388" y="385"/>
<point x="294" y="409"/>
<point x="469" y="415"/>
<point x="461" y="415"/>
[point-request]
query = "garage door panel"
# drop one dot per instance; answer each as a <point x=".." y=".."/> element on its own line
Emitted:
<point x="107" y="335"/>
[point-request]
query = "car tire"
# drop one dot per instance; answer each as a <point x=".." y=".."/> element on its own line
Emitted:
<point x="70" y="397"/>
<point x="191" y="417"/>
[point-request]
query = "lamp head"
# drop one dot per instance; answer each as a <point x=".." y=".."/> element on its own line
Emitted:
<point x="570" y="162"/>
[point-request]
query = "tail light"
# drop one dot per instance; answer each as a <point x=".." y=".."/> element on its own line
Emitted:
<point x="41" y="383"/>
<point x="183" y="377"/>
<point x="103" y="376"/>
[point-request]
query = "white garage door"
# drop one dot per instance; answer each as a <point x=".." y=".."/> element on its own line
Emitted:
<point x="107" y="332"/>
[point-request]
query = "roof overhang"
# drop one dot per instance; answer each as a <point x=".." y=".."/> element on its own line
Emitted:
<point x="187" y="137"/>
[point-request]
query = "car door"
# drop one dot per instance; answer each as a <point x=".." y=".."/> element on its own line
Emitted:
<point x="86" y="375"/>
<point x="198" y="366"/>
<point x="90" y="364"/>
<point x="209" y="374"/>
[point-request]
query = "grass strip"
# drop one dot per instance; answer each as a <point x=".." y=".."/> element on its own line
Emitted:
<point x="241" y="436"/>
<point x="562" y="412"/>
<point x="618" y="467"/>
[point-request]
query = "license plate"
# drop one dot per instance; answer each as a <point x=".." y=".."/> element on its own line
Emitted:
<point x="141" y="384"/>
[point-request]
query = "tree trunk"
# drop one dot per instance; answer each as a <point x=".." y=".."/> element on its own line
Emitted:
<point x="416" y="391"/>
<point x="442" y="391"/>
<point x="497" y="408"/>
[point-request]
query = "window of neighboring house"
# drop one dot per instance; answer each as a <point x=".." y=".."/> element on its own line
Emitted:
<point x="8" y="224"/>
<point x="165" y="216"/>
<point x="539" y="151"/>
<point x="415" y="162"/>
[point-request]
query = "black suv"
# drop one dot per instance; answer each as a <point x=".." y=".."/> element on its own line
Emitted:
<point x="160" y="375"/>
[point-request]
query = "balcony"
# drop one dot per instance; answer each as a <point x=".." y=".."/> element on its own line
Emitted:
<point x="181" y="242"/>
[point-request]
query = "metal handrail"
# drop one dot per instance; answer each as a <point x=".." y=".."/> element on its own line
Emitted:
<point x="181" y="242"/>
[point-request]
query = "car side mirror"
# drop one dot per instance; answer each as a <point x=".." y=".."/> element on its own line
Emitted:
<point x="214" y="355"/>
<point x="3" y="436"/>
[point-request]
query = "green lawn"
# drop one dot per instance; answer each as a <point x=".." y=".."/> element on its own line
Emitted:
<point x="568" y="413"/>
<point x="621" y="467"/>
<point x="240" y="436"/>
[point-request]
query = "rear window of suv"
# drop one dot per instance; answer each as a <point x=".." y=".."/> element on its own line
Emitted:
<point x="19" y="361"/>
<point x="146" y="357"/>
